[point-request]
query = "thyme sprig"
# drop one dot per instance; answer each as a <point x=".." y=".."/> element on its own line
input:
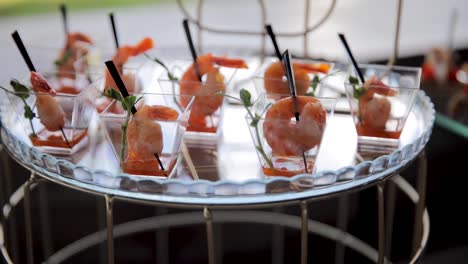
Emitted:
<point x="127" y="104"/>
<point x="245" y="99"/>
<point x="317" y="80"/>
<point x="22" y="91"/>
<point x="170" y="75"/>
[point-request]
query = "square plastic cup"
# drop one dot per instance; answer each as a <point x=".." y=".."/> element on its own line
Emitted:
<point x="67" y="65"/>
<point x="380" y="111"/>
<point x="166" y="124"/>
<point x="286" y="147"/>
<point x="269" y="80"/>
<point x="207" y="110"/>
<point x="78" y="109"/>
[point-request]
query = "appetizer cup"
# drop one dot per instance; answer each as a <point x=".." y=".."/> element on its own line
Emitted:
<point x="148" y="142"/>
<point x="380" y="108"/>
<point x="282" y="143"/>
<point x="308" y="76"/>
<point x="207" y="110"/>
<point x="49" y="59"/>
<point x="76" y="108"/>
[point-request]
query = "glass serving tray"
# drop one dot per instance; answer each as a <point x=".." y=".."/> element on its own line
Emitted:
<point x="228" y="169"/>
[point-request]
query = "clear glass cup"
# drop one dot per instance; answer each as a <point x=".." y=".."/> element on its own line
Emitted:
<point x="380" y="111"/>
<point x="284" y="146"/>
<point x="168" y="132"/>
<point x="207" y="110"/>
<point x="77" y="108"/>
<point x="51" y="59"/>
<point x="307" y="82"/>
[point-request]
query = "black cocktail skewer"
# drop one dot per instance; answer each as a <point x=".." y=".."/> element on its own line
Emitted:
<point x="27" y="59"/>
<point x="192" y="47"/>
<point x="350" y="54"/>
<point x="272" y="35"/>
<point x="114" y="30"/>
<point x="292" y="91"/>
<point x="63" y="10"/>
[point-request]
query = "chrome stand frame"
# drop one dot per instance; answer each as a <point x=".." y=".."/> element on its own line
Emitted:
<point x="110" y="228"/>
<point x="304" y="231"/>
<point x="381" y="219"/>
<point x="209" y="234"/>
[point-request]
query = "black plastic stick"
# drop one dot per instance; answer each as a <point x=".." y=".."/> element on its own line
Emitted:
<point x="63" y="10"/>
<point x="291" y="81"/>
<point x="350" y="54"/>
<point x="65" y="137"/>
<point x="160" y="163"/>
<point x="292" y="91"/>
<point x="23" y="51"/>
<point x="118" y="81"/>
<point x="272" y="35"/>
<point x="191" y="46"/>
<point x="114" y="30"/>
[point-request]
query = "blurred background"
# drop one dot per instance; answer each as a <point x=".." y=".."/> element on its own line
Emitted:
<point x="433" y="35"/>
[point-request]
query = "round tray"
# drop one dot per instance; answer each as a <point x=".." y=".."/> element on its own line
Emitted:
<point x="228" y="168"/>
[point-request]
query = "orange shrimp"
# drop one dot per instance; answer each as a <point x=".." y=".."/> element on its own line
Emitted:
<point x="375" y="111"/>
<point x="206" y="103"/>
<point x="144" y="133"/>
<point x="121" y="57"/>
<point x="75" y="47"/>
<point x="287" y="138"/>
<point x="275" y="82"/>
<point x="49" y="110"/>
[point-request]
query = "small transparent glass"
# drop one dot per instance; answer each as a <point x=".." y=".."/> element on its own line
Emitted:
<point x="78" y="109"/>
<point x="380" y="111"/>
<point x="207" y="110"/>
<point x="47" y="59"/>
<point x="268" y="81"/>
<point x="167" y="132"/>
<point x="281" y="142"/>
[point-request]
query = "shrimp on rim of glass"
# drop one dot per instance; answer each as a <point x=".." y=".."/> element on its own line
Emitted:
<point x="275" y="82"/>
<point x="123" y="54"/>
<point x="207" y="99"/>
<point x="292" y="138"/>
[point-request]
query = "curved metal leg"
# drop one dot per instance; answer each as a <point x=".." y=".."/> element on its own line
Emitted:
<point x="46" y="238"/>
<point x="209" y="234"/>
<point x="342" y="224"/>
<point x="381" y="205"/>
<point x="162" y="237"/>
<point x="420" y="206"/>
<point x="277" y="253"/>
<point x="110" y="229"/>
<point x="27" y="218"/>
<point x="101" y="224"/>
<point x="304" y="231"/>
<point x="390" y="216"/>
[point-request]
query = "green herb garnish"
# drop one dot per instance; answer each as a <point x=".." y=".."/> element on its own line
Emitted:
<point x="245" y="99"/>
<point x="158" y="61"/>
<point x="66" y="56"/>
<point x="316" y="81"/>
<point x="127" y="104"/>
<point x="22" y="91"/>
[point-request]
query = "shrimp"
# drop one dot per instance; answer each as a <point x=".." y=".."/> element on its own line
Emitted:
<point x="375" y="111"/>
<point x="75" y="47"/>
<point x="144" y="133"/>
<point x="121" y="57"/>
<point x="287" y="138"/>
<point x="275" y="83"/>
<point x="206" y="103"/>
<point x="49" y="110"/>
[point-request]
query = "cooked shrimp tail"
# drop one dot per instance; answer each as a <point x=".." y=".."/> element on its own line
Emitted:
<point x="308" y="67"/>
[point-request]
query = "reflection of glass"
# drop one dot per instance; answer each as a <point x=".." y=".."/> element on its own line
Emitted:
<point x="381" y="106"/>
<point x="308" y="74"/>
<point x="165" y="124"/>
<point x="77" y="110"/>
<point x="281" y="142"/>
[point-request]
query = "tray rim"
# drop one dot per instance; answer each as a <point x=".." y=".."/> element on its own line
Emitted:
<point x="105" y="183"/>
